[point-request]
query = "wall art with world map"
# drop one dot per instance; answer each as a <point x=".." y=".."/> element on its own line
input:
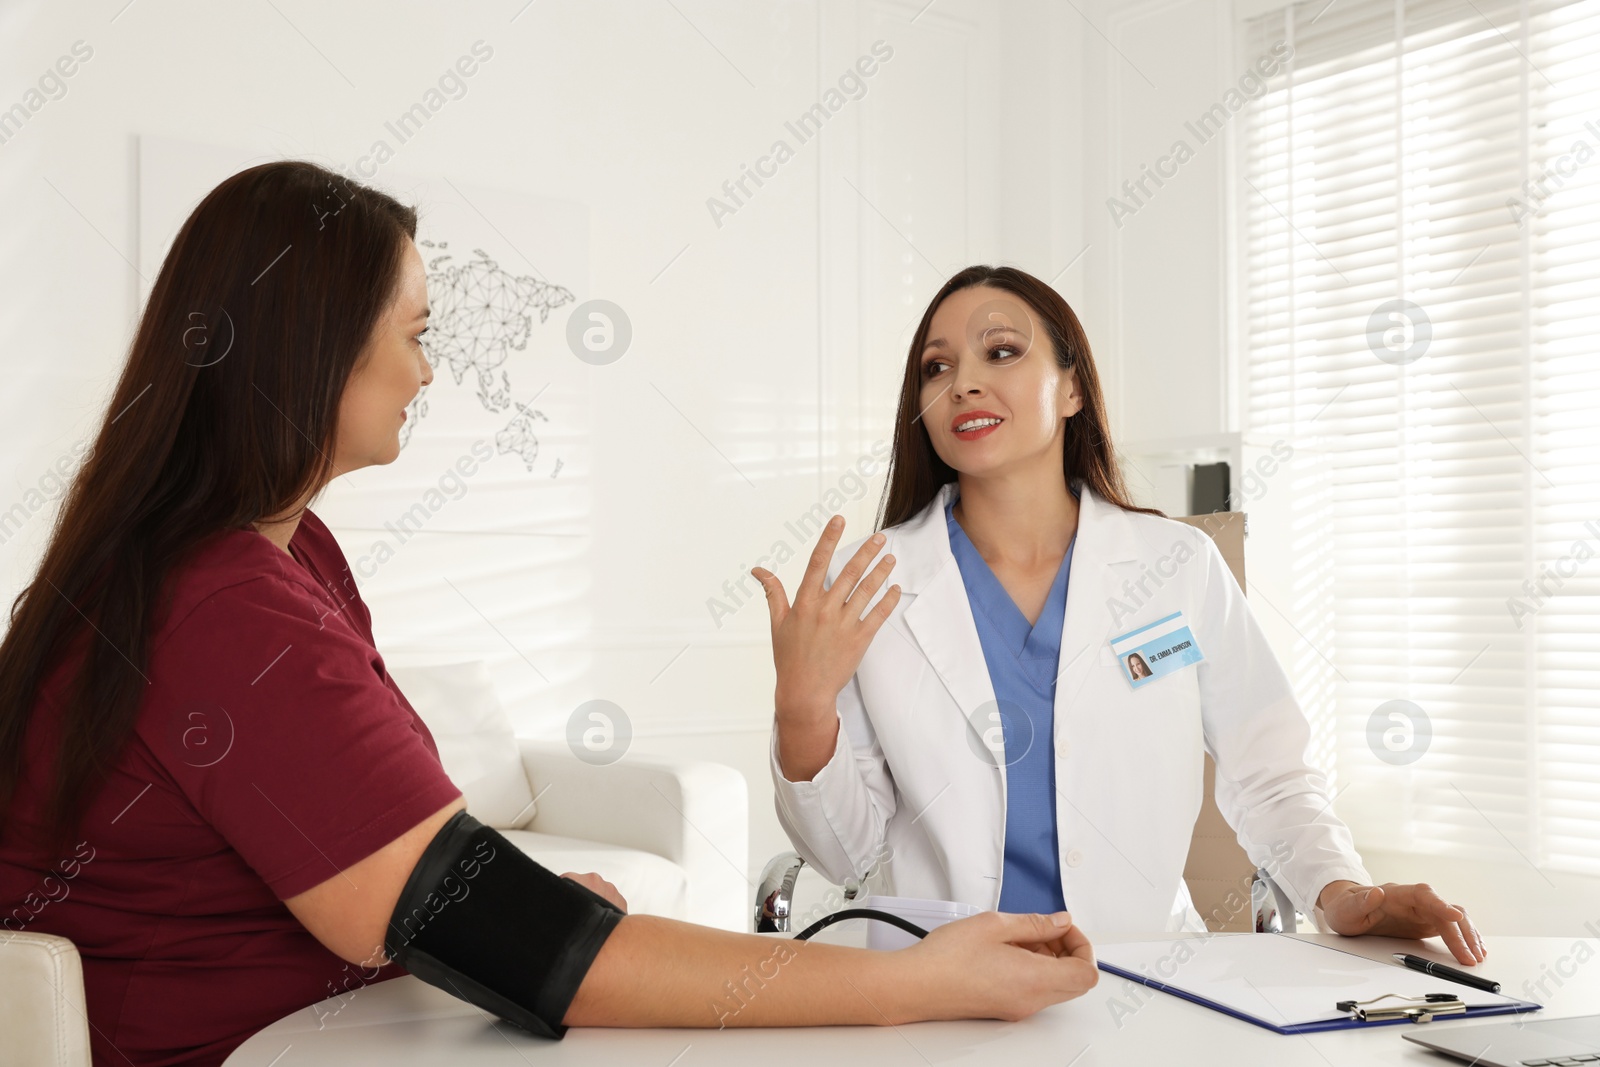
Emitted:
<point x="482" y="313"/>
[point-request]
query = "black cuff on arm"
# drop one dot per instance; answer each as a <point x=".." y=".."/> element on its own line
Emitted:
<point x="481" y="920"/>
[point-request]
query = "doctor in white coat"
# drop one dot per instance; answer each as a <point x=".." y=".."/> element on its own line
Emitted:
<point x="1018" y="722"/>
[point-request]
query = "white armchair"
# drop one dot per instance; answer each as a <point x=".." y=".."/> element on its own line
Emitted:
<point x="672" y="837"/>
<point x="43" y="1022"/>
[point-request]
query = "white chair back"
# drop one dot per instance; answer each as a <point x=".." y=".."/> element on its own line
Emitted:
<point x="42" y="1011"/>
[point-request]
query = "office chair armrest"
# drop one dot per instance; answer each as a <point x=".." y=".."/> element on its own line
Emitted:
<point x="1270" y="906"/>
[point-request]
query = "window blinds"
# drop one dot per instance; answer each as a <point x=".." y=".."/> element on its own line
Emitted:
<point x="1419" y="310"/>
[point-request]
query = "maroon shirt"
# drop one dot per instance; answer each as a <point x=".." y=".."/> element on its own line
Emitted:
<point x="272" y="752"/>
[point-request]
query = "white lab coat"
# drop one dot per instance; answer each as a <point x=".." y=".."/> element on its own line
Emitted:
<point x="908" y="797"/>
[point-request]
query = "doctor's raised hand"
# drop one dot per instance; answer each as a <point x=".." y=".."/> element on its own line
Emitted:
<point x="817" y="644"/>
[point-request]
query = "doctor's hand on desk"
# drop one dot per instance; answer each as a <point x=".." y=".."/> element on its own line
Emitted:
<point x="817" y="644"/>
<point x="1393" y="910"/>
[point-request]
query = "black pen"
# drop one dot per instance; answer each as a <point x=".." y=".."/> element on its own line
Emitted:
<point x="1439" y="970"/>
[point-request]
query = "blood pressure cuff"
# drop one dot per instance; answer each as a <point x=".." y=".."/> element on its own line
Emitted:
<point x="481" y="920"/>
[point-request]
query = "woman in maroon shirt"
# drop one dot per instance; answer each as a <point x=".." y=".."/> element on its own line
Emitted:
<point x="209" y="782"/>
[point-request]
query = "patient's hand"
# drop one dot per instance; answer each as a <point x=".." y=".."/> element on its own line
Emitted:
<point x="996" y="965"/>
<point x="1395" y="910"/>
<point x="596" y="884"/>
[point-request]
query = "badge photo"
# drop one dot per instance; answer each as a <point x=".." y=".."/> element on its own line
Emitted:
<point x="1155" y="650"/>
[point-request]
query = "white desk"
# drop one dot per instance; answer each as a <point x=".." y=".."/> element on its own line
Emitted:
<point x="405" y="1022"/>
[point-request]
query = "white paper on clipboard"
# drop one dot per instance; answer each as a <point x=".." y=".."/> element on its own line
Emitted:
<point x="1278" y="980"/>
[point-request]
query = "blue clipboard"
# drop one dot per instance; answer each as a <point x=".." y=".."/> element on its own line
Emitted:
<point x="1336" y="969"/>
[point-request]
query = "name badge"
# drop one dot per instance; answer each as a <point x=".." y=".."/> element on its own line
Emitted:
<point x="1156" y="650"/>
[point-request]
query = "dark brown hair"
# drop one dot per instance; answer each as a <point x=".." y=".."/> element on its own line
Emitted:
<point x="225" y="413"/>
<point x="916" y="472"/>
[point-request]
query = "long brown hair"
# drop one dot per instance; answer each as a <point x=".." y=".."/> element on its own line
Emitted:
<point x="916" y="472"/>
<point x="225" y="413"/>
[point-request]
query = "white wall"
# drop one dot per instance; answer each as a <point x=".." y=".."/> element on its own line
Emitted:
<point x="1163" y="290"/>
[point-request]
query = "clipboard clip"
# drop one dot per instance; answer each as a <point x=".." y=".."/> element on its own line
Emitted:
<point x="1418" y="1009"/>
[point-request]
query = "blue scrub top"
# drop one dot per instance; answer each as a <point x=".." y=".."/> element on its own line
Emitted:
<point x="1023" y="661"/>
